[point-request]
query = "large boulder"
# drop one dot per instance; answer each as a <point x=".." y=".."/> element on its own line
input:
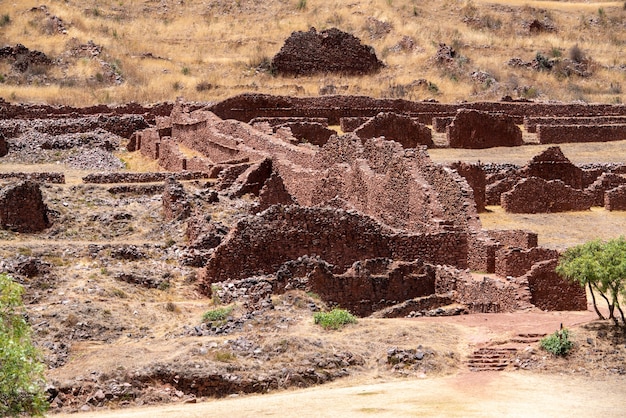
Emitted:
<point x="22" y="208"/>
<point x="328" y="51"/>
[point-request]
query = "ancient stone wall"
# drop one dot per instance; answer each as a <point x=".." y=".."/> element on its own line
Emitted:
<point x="22" y="208"/>
<point x="170" y="157"/>
<point x="126" y="177"/>
<point x="514" y="238"/>
<point x="551" y="164"/>
<point x="123" y="126"/>
<point x="535" y="195"/>
<point x="615" y="199"/>
<point x="4" y="146"/>
<point x="515" y="262"/>
<point x="476" y="129"/>
<point x="605" y="182"/>
<point x="475" y="177"/>
<point x="558" y="134"/>
<point x="311" y="132"/>
<point x="147" y="141"/>
<point x="441" y="123"/>
<point x="395" y="127"/>
<point x="42" y="177"/>
<point x="176" y="206"/>
<point x="551" y="292"/>
<point x="531" y="122"/>
<point x="259" y="245"/>
<point x="349" y="124"/>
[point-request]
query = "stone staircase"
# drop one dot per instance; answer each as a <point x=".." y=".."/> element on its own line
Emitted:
<point x="495" y="357"/>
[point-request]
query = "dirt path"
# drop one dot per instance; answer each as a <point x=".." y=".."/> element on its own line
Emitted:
<point x="489" y="394"/>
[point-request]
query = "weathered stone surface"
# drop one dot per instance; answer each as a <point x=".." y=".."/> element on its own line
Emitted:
<point x="475" y="129"/>
<point x="475" y="177"/>
<point x="559" y="134"/>
<point x="253" y="179"/>
<point x="552" y="164"/>
<point x="395" y="127"/>
<point x="328" y="51"/>
<point x="604" y="183"/>
<point x="535" y="195"/>
<point x="4" y="147"/>
<point x="515" y="238"/>
<point x="22" y="58"/>
<point x="274" y="193"/>
<point x="552" y="292"/>
<point x="515" y="262"/>
<point x="261" y="244"/>
<point x="615" y="199"/>
<point x="22" y="208"/>
<point x="176" y="205"/>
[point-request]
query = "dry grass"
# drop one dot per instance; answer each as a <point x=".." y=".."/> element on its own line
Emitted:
<point x="220" y="43"/>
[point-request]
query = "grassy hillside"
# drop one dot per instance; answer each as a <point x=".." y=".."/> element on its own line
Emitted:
<point x="155" y="50"/>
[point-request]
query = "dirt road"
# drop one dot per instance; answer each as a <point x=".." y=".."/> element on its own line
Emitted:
<point x="488" y="394"/>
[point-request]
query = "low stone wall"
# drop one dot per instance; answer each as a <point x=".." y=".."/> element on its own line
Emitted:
<point x="125" y="177"/>
<point x="123" y="126"/>
<point x="349" y="124"/>
<point x="531" y="122"/>
<point x="494" y="190"/>
<point x="535" y="195"/>
<point x="170" y="157"/>
<point x="558" y="134"/>
<point x="277" y="121"/>
<point x="514" y="238"/>
<point x="516" y="262"/>
<point x="55" y="178"/>
<point x="148" y="141"/>
<point x="476" y="130"/>
<point x="551" y="164"/>
<point x="311" y="132"/>
<point x="551" y="292"/>
<point x="615" y="199"/>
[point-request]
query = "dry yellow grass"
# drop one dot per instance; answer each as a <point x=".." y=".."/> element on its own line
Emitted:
<point x="220" y="43"/>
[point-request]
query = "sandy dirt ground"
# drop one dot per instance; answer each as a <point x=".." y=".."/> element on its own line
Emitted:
<point x="467" y="394"/>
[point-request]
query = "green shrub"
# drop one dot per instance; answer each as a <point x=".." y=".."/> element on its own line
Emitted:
<point x="217" y="315"/>
<point x="334" y="319"/>
<point x="5" y="20"/>
<point x="21" y="373"/>
<point x="558" y="343"/>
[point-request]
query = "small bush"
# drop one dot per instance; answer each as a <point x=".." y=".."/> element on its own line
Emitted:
<point x="217" y="315"/>
<point x="558" y="343"/>
<point x="334" y="319"/>
<point x="21" y="370"/>
<point x="576" y="54"/>
<point x="301" y="4"/>
<point x="5" y="20"/>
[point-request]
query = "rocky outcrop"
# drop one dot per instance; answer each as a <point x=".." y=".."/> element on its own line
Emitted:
<point x="22" y="208"/>
<point x="328" y="51"/>
<point x="476" y="129"/>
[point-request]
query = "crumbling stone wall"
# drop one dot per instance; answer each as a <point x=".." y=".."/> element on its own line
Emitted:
<point x="42" y="177"/>
<point x="349" y="124"/>
<point x="124" y="125"/>
<point x="22" y="208"/>
<point x="441" y="123"/>
<point x="395" y="127"/>
<point x="551" y="292"/>
<point x="126" y="177"/>
<point x="148" y="141"/>
<point x="475" y="177"/>
<point x="552" y="164"/>
<point x="515" y="262"/>
<point x="475" y="129"/>
<point x="329" y="51"/>
<point x="311" y="132"/>
<point x="615" y="199"/>
<point x="4" y="147"/>
<point x="176" y="206"/>
<point x="558" y="134"/>
<point x="259" y="245"/>
<point x="514" y="238"/>
<point x="605" y="182"/>
<point x="495" y="188"/>
<point x="170" y="157"/>
<point x="535" y="195"/>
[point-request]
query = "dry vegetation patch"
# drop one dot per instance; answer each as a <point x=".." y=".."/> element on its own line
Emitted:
<point x="150" y="52"/>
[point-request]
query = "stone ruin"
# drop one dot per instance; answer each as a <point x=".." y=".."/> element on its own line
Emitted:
<point x="366" y="223"/>
<point x="328" y="51"/>
<point x="22" y="208"/>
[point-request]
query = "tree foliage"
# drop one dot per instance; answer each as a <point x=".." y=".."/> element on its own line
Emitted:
<point x="21" y="371"/>
<point x="601" y="266"/>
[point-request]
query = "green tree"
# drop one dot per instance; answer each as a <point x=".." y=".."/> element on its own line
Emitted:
<point x="601" y="266"/>
<point x="21" y="370"/>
